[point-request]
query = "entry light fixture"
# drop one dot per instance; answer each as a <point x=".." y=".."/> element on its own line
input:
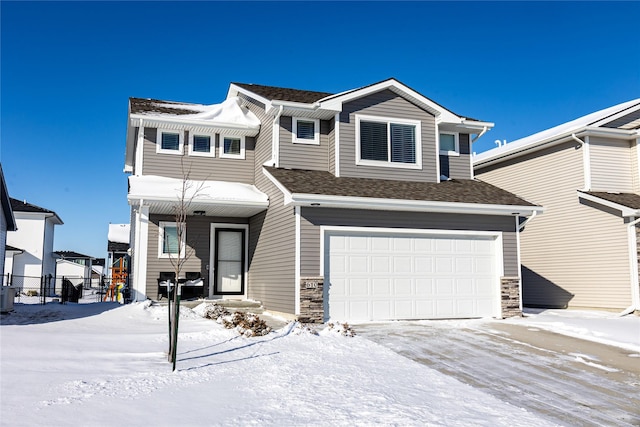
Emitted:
<point x="198" y="213"/>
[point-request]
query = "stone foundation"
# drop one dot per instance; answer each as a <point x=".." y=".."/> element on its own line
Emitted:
<point x="510" y="298"/>
<point x="311" y="300"/>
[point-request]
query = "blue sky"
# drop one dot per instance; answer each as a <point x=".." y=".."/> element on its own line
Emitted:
<point x="67" y="70"/>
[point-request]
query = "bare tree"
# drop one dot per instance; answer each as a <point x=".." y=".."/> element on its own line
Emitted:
<point x="181" y="208"/>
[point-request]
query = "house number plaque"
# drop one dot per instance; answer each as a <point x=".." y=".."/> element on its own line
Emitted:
<point x="311" y="284"/>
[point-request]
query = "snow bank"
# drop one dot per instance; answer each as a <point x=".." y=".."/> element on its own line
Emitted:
<point x="119" y="233"/>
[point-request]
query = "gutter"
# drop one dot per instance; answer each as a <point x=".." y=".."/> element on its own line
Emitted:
<point x="275" y="131"/>
<point x="526" y="221"/>
<point x="484" y="130"/>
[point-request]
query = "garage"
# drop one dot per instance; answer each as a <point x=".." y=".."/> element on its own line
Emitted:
<point x="411" y="274"/>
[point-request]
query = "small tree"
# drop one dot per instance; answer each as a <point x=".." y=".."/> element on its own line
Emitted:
<point x="181" y="209"/>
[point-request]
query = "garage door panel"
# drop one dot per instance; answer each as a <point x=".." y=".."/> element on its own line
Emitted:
<point x="380" y="276"/>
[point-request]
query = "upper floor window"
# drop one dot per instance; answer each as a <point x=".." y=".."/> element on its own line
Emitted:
<point x="388" y="142"/>
<point x="306" y="131"/>
<point x="201" y="145"/>
<point x="169" y="141"/>
<point x="449" y="143"/>
<point x="232" y="147"/>
<point x="168" y="243"/>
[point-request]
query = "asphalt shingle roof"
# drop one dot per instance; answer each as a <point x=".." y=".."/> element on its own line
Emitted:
<point x="630" y="200"/>
<point x="117" y="247"/>
<point x="284" y="94"/>
<point x="23" y="206"/>
<point x="459" y="191"/>
<point x="147" y="105"/>
<point x="72" y="255"/>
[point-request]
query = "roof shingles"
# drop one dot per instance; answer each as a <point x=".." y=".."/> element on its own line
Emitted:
<point x="284" y="94"/>
<point x="458" y="191"/>
<point x="630" y="200"/>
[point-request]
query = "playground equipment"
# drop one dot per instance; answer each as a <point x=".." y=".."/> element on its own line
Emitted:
<point x="118" y="280"/>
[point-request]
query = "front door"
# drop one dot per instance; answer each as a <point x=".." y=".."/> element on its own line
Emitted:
<point x="229" y="261"/>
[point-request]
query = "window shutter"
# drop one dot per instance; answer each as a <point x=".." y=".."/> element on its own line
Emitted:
<point x="403" y="143"/>
<point x="305" y="130"/>
<point x="373" y="141"/>
<point x="170" y="141"/>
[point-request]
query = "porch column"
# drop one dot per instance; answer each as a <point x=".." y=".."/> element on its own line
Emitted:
<point x="140" y="252"/>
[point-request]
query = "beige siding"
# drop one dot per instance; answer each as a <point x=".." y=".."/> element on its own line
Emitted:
<point x="611" y="168"/>
<point x="635" y="174"/>
<point x="271" y="235"/>
<point x="303" y="156"/>
<point x="573" y="254"/>
<point x="386" y="104"/>
<point x="197" y="249"/>
<point x="201" y="168"/>
<point x="313" y="218"/>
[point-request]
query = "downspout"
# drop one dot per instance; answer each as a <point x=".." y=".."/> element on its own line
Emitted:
<point x="275" y="129"/>
<point x="585" y="161"/>
<point x="484" y="130"/>
<point x="526" y="221"/>
<point x="635" y="285"/>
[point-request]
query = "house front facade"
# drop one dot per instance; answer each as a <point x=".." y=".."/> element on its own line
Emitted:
<point x="355" y="206"/>
<point x="583" y="252"/>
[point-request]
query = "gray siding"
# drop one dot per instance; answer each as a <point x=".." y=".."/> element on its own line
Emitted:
<point x="332" y="146"/>
<point x="572" y="255"/>
<point x="386" y="104"/>
<point x="197" y="249"/>
<point x="458" y="167"/>
<point x="313" y="218"/>
<point x="303" y="156"/>
<point x="611" y="165"/>
<point x="199" y="168"/>
<point x="271" y="235"/>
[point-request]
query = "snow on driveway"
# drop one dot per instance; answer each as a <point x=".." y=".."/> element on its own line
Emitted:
<point x="103" y="364"/>
<point x="562" y="379"/>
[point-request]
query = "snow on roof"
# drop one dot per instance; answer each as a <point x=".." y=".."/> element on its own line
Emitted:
<point x="228" y="112"/>
<point x="152" y="187"/>
<point x="557" y="131"/>
<point x="119" y="233"/>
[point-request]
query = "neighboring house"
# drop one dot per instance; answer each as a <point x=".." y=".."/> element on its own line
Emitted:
<point x="75" y="267"/>
<point x="583" y="252"/>
<point x="7" y="223"/>
<point x="118" y="252"/>
<point x="34" y="237"/>
<point x="355" y="206"/>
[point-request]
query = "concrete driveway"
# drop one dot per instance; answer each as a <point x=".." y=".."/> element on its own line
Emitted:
<point x="565" y="380"/>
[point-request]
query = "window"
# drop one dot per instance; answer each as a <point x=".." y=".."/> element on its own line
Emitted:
<point x="232" y="147"/>
<point x="449" y="144"/>
<point x="169" y="141"/>
<point x="388" y="142"/>
<point x="168" y="240"/>
<point x="306" y="131"/>
<point x="201" y="145"/>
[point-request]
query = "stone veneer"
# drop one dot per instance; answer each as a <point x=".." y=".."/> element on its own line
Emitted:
<point x="510" y="296"/>
<point x="311" y="299"/>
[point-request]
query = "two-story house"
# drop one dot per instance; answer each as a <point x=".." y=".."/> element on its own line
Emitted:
<point x="583" y="252"/>
<point x="32" y="256"/>
<point x="352" y="206"/>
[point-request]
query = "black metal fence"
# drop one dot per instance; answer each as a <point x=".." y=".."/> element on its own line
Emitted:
<point x="45" y="289"/>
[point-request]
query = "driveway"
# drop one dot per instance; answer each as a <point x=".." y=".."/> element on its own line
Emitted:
<point x="565" y="380"/>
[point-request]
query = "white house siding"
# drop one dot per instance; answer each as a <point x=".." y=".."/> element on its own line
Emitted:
<point x="29" y="238"/>
<point x="3" y="243"/>
<point x="611" y="165"/>
<point x="303" y="156"/>
<point x="572" y="255"/>
<point x="313" y="218"/>
<point x="271" y="234"/>
<point x="48" y="260"/>
<point x="389" y="105"/>
<point x="198" y="167"/>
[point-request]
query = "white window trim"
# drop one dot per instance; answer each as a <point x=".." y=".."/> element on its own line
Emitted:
<point x="389" y="163"/>
<point x="456" y="138"/>
<point x="316" y="134"/>
<point x="161" y="226"/>
<point x="224" y="155"/>
<point x="211" y="153"/>
<point x="159" y="148"/>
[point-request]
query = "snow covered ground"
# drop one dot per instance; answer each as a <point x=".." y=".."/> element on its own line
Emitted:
<point x="104" y="364"/>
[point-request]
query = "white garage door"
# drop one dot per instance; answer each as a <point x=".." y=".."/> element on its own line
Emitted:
<point x="381" y="276"/>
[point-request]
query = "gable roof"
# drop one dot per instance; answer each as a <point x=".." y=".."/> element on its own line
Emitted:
<point x="23" y="206"/>
<point x="274" y="93"/>
<point x="6" y="204"/>
<point x="606" y="122"/>
<point x="312" y="187"/>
